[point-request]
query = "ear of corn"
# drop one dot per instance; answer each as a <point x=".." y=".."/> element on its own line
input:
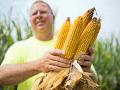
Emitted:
<point x="87" y="16"/>
<point x="62" y="34"/>
<point x="96" y="32"/>
<point x="72" y="37"/>
<point x="69" y="48"/>
<point x="86" y="37"/>
<point x="85" y="40"/>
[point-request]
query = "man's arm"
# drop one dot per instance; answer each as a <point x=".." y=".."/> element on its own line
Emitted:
<point x="12" y="74"/>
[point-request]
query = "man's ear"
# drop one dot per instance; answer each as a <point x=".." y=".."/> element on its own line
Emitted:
<point x="53" y="18"/>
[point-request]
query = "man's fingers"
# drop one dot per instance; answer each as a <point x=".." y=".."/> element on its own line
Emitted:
<point x="54" y="68"/>
<point x="59" y="59"/>
<point x="85" y="69"/>
<point x="91" y="51"/>
<point x="56" y="52"/>
<point x="82" y="53"/>
<point x="86" y="57"/>
<point x="59" y="64"/>
<point x="85" y="63"/>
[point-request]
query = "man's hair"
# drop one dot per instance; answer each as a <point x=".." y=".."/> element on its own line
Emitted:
<point x="40" y="1"/>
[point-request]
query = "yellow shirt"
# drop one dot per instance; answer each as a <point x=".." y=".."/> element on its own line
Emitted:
<point x="26" y="51"/>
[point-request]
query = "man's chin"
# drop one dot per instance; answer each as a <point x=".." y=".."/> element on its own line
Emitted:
<point x="41" y="29"/>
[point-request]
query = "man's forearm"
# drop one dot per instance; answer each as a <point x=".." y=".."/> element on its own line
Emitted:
<point x="15" y="73"/>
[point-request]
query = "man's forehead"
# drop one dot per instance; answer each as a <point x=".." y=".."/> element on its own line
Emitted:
<point x="40" y="5"/>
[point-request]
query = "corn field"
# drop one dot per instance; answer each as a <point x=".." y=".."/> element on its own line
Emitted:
<point x="107" y="63"/>
<point x="10" y="32"/>
<point x="106" y="60"/>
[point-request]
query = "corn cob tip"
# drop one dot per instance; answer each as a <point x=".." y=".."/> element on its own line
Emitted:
<point x="92" y="9"/>
<point x="99" y="19"/>
<point x="94" y="19"/>
<point x="68" y="18"/>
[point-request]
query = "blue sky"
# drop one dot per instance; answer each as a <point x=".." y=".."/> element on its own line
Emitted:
<point x="108" y="10"/>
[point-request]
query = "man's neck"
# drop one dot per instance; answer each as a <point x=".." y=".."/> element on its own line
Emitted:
<point x="44" y="36"/>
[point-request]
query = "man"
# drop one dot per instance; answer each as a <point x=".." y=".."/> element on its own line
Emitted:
<point x="27" y="58"/>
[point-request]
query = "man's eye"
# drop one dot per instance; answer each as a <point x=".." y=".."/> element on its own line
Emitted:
<point x="34" y="13"/>
<point x="43" y="12"/>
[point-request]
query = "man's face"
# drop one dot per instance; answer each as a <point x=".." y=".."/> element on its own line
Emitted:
<point x="41" y="17"/>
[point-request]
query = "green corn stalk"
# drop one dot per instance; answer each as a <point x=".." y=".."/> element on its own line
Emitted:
<point x="7" y="28"/>
<point x="107" y="63"/>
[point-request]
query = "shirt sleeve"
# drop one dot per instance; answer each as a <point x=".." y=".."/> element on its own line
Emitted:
<point x="14" y="55"/>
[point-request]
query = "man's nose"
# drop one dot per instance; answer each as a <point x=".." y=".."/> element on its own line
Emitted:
<point x="38" y="13"/>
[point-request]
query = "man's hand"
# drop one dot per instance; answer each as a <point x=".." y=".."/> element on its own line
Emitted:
<point x="86" y="60"/>
<point x="52" y="61"/>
